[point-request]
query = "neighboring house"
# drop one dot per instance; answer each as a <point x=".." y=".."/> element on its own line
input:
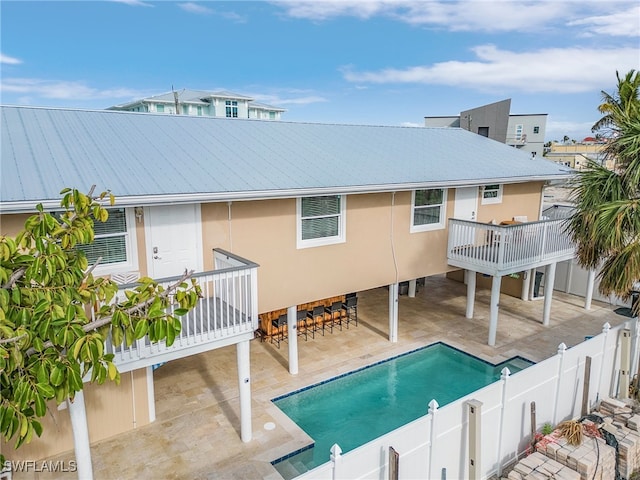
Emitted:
<point x="324" y="210"/>
<point x="525" y="132"/>
<point x="203" y="103"/>
<point x="578" y="155"/>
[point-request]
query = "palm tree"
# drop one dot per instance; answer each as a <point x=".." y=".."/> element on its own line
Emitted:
<point x="622" y="104"/>
<point x="606" y="223"/>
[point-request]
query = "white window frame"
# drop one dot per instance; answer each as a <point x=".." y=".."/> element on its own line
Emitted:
<point x="231" y="108"/>
<point x="492" y="199"/>
<point x="318" y="242"/>
<point x="130" y="245"/>
<point x="429" y="226"/>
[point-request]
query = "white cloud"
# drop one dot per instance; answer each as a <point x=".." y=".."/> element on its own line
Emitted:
<point x="134" y="3"/>
<point x="6" y="59"/>
<point x="480" y="15"/>
<point x="289" y="98"/>
<point x="63" y="90"/>
<point x="560" y="70"/>
<point x="193" y="7"/>
<point x="619" y="24"/>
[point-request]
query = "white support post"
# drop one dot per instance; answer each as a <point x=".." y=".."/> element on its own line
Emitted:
<point x="532" y="283"/>
<point x="605" y="334"/>
<point x="471" y="293"/>
<point x="591" y="278"/>
<point x="562" y="348"/>
<point x="475" y="437"/>
<point x="495" y="304"/>
<point x="549" y="277"/>
<point x="504" y="377"/>
<point x="412" y="288"/>
<point x="78" y="415"/>
<point x="635" y="337"/>
<point x="526" y="280"/>
<point x="151" y="395"/>
<point x="244" y="385"/>
<point x="336" y="458"/>
<point x="292" y="329"/>
<point x="393" y="312"/>
<point x="433" y="410"/>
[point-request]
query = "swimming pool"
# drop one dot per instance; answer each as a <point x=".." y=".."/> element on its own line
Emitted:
<point x="357" y="407"/>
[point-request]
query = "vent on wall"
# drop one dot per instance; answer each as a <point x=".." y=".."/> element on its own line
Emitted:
<point x="125" y="277"/>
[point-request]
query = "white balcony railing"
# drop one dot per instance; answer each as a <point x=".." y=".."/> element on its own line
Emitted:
<point x="227" y="313"/>
<point x="506" y="249"/>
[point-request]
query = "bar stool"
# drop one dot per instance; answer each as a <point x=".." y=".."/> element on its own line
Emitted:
<point x="350" y="307"/>
<point x="281" y="332"/>
<point x="302" y="317"/>
<point x="336" y="307"/>
<point x="318" y="311"/>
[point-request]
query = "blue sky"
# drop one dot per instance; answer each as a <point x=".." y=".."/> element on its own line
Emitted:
<point x="364" y="62"/>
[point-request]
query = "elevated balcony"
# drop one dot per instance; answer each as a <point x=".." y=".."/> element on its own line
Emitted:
<point x="226" y="314"/>
<point x="500" y="250"/>
<point x="516" y="140"/>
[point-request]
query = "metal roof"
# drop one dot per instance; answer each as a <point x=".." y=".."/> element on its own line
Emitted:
<point x="146" y="159"/>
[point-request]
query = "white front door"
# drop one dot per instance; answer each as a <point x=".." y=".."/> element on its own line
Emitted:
<point x="174" y="240"/>
<point x="466" y="208"/>
<point x="466" y="205"/>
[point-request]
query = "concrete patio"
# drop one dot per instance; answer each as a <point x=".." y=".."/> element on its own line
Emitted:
<point x="196" y="433"/>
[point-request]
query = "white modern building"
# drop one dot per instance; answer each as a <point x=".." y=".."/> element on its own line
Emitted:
<point x="203" y="103"/>
<point x="524" y="132"/>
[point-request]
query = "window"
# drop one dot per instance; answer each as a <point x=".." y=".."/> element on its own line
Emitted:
<point x="428" y="210"/>
<point x="321" y="220"/>
<point x="484" y="131"/>
<point x="199" y="108"/>
<point x="272" y="115"/>
<point x="114" y="241"/>
<point x="536" y="129"/>
<point x="492" y="194"/>
<point x="185" y="109"/>
<point x="519" y="130"/>
<point x="160" y="108"/>
<point x="231" y="108"/>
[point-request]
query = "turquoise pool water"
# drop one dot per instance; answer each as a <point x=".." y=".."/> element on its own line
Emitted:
<point x="357" y="407"/>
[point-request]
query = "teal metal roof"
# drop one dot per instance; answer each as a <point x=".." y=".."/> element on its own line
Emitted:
<point x="145" y="158"/>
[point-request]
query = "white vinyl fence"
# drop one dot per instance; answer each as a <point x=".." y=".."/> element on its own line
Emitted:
<point x="436" y="446"/>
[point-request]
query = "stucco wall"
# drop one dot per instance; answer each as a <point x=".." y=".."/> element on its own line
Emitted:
<point x="111" y="409"/>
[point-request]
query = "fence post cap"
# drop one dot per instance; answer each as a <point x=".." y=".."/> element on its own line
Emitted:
<point x="336" y="452"/>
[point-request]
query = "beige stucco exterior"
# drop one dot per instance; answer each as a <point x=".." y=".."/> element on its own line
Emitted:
<point x="379" y="250"/>
<point x="111" y="409"/>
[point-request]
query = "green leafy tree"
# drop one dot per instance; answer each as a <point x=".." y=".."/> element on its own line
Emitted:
<point x="606" y="224"/>
<point x="55" y="315"/>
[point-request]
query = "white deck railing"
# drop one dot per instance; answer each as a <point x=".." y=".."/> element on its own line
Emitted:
<point x="227" y="313"/>
<point x="505" y="249"/>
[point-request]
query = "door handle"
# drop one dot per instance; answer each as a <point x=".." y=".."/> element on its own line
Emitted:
<point x="157" y="257"/>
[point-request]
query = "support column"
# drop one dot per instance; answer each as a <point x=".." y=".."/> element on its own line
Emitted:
<point x="292" y="329"/>
<point x="412" y="288"/>
<point x="495" y="304"/>
<point x="591" y="278"/>
<point x="526" y="280"/>
<point x="532" y="283"/>
<point x="549" y="278"/>
<point x="81" y="444"/>
<point x="151" y="395"/>
<point x="244" y="385"/>
<point x="625" y="363"/>
<point x="471" y="293"/>
<point x="393" y="312"/>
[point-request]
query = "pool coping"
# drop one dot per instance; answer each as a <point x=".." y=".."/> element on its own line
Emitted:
<point x="351" y="372"/>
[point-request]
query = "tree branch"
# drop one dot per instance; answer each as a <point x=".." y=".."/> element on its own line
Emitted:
<point x="15" y="276"/>
<point x="12" y="339"/>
